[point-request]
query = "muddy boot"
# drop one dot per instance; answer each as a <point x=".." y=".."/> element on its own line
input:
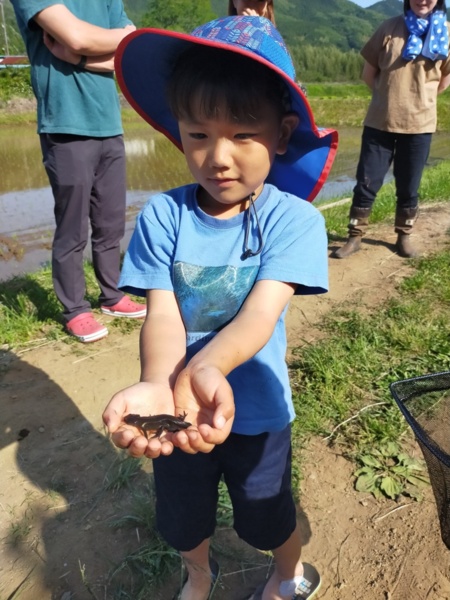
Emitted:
<point x="359" y="221"/>
<point x="404" y="222"/>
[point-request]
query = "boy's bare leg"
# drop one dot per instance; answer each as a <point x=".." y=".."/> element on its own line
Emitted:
<point x="198" y="584"/>
<point x="287" y="566"/>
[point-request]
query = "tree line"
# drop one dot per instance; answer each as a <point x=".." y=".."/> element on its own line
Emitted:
<point x="328" y="64"/>
<point x="313" y="63"/>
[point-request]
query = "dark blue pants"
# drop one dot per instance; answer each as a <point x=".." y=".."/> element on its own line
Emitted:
<point x="408" y="152"/>
<point x="88" y="180"/>
<point x="257" y="472"/>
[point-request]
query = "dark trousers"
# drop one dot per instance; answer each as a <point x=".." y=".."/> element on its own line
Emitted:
<point x="409" y="152"/>
<point x="88" y="180"/>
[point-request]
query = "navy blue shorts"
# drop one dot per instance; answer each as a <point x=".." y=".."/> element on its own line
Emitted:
<point x="257" y="471"/>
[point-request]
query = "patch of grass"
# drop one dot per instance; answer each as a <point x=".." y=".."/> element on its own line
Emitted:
<point x="17" y="118"/>
<point x="141" y="512"/>
<point x="30" y="311"/>
<point x="20" y="526"/>
<point x="19" y="530"/>
<point x="154" y="561"/>
<point x="125" y="326"/>
<point x="152" y="564"/>
<point x="362" y="354"/>
<point x="224" y="507"/>
<point x="329" y="110"/>
<point x="121" y="472"/>
<point x="15" y="83"/>
<point x="338" y="90"/>
<point x="434" y="188"/>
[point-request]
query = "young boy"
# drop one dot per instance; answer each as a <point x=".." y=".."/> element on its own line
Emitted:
<point x="218" y="261"/>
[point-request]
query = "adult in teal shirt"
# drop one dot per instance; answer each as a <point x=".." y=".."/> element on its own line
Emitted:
<point x="71" y="47"/>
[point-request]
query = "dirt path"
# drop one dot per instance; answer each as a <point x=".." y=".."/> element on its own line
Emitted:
<point x="55" y="515"/>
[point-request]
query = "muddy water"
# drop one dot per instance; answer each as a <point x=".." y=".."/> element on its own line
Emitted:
<point x="26" y="203"/>
<point x="153" y="164"/>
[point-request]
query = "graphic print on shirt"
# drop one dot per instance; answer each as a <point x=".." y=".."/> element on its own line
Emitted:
<point x="210" y="297"/>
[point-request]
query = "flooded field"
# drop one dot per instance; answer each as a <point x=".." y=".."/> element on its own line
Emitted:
<point x="153" y="164"/>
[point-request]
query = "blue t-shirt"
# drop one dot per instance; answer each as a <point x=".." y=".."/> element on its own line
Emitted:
<point x="71" y="100"/>
<point x="178" y="247"/>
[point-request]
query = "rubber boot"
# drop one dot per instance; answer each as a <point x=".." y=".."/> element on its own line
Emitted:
<point x="359" y="221"/>
<point x="404" y="223"/>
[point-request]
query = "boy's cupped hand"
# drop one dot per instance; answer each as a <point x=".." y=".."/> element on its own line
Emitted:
<point x="206" y="396"/>
<point x="205" y="399"/>
<point x="143" y="399"/>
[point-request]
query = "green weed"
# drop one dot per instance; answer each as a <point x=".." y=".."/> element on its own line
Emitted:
<point x="121" y="472"/>
<point x="335" y="379"/>
<point x="31" y="313"/>
<point x="387" y="471"/>
<point x="154" y="561"/>
<point x="434" y="188"/>
<point x="20" y="527"/>
<point x="224" y="507"/>
<point x="125" y="326"/>
<point x="146" y="569"/>
<point x="86" y="582"/>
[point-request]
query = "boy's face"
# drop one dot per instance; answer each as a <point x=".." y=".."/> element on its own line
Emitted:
<point x="230" y="159"/>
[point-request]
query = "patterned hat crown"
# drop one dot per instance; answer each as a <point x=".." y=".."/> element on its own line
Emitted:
<point x="144" y="62"/>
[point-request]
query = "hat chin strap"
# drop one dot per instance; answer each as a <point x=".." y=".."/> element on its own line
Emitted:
<point x="247" y="251"/>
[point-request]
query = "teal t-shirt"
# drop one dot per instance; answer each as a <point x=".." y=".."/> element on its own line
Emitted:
<point x="71" y="100"/>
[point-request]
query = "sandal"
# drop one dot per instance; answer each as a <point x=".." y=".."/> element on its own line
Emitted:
<point x="305" y="590"/>
<point x="215" y="573"/>
<point x="309" y="584"/>
<point x="126" y="307"/>
<point x="86" y="328"/>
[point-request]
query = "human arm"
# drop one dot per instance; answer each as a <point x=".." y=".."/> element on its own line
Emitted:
<point x="100" y="64"/>
<point x="203" y="381"/>
<point x="444" y="83"/>
<point x="78" y="36"/>
<point x="162" y="352"/>
<point x="249" y="12"/>
<point x="369" y="74"/>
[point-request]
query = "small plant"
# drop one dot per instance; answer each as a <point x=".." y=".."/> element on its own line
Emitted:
<point x="85" y="581"/>
<point x="121" y="472"/>
<point x="20" y="527"/>
<point x="142" y="508"/>
<point x="19" y="530"/>
<point x="125" y="326"/>
<point x="224" y="507"/>
<point x="389" y="472"/>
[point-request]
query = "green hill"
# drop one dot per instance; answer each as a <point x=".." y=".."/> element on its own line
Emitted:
<point x="388" y="8"/>
<point x="338" y="23"/>
<point x="338" y="27"/>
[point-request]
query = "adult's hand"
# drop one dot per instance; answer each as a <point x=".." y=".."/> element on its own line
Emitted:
<point x="60" y="51"/>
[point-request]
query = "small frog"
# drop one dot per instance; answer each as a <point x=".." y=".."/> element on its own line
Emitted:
<point x="157" y="423"/>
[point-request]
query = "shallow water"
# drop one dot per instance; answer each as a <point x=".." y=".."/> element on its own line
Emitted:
<point x="153" y="164"/>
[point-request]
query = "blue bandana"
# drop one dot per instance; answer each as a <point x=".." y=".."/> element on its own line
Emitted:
<point x="435" y="45"/>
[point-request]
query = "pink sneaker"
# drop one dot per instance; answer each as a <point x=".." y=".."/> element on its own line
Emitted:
<point x="126" y="308"/>
<point x="86" y="328"/>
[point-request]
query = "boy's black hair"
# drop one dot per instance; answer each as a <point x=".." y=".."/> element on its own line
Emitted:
<point x="209" y="80"/>
<point x="439" y="6"/>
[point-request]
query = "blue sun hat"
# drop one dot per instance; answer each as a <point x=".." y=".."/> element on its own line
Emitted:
<point x="144" y="62"/>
